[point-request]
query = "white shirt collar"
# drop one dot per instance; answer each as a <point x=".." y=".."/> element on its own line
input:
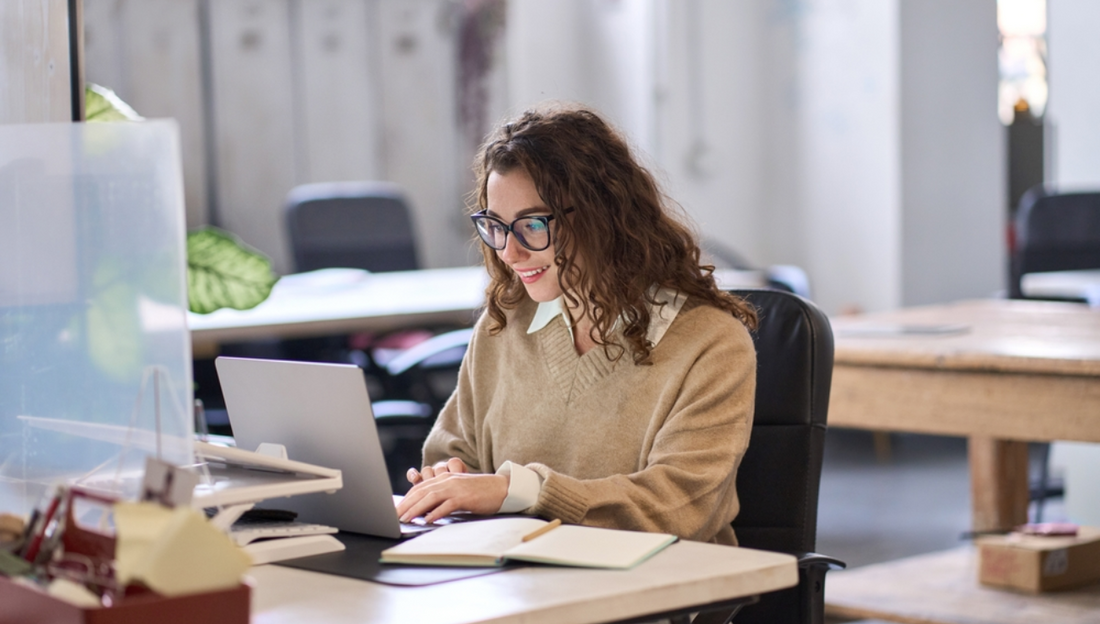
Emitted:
<point x="660" y="316"/>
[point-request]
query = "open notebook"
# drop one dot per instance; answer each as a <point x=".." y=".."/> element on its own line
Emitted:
<point x="493" y="542"/>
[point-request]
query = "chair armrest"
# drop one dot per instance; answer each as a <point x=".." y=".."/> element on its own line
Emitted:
<point x="811" y="583"/>
<point x="401" y="412"/>
<point x="810" y="594"/>
<point x="430" y="347"/>
<point x="812" y="559"/>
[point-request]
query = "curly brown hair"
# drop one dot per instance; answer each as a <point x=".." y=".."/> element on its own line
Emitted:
<point x="620" y="227"/>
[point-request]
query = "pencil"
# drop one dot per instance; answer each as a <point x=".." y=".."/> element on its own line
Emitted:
<point x="542" y="530"/>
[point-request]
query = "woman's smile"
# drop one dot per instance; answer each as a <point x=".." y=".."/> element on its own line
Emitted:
<point x="530" y="276"/>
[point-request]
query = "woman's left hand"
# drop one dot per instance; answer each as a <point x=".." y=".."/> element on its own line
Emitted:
<point x="450" y="492"/>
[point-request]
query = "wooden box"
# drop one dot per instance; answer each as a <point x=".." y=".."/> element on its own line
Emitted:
<point x="1036" y="564"/>
<point x="24" y="605"/>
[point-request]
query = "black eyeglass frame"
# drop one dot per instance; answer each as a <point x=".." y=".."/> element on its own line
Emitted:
<point x="509" y="228"/>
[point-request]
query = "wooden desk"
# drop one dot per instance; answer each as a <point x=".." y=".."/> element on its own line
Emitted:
<point x="1015" y="371"/>
<point x="683" y="575"/>
<point x="342" y="301"/>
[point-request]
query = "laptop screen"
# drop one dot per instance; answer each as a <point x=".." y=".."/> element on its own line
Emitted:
<point x="322" y="414"/>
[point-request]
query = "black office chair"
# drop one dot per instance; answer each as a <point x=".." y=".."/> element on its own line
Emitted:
<point x="1053" y="232"/>
<point x="778" y="480"/>
<point x="360" y="225"/>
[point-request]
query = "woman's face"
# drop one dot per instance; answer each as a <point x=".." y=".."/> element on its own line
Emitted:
<point x="510" y="196"/>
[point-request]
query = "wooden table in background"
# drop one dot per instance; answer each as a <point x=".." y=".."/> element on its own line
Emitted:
<point x="943" y="588"/>
<point x="1000" y="372"/>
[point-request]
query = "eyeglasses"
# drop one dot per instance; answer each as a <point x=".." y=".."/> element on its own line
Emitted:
<point x="531" y="232"/>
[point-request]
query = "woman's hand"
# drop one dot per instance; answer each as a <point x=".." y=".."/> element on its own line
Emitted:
<point x="450" y="491"/>
<point x="453" y="464"/>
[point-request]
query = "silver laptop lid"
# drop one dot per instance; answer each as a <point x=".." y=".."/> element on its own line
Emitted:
<point x="322" y="414"/>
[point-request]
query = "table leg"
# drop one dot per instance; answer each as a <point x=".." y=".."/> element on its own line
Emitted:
<point x="998" y="483"/>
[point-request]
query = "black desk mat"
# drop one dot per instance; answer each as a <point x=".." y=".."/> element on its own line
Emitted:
<point x="360" y="560"/>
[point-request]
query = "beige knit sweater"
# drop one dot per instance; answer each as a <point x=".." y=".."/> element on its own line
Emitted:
<point x="643" y="447"/>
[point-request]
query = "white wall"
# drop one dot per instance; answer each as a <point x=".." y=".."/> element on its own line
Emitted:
<point x="952" y="152"/>
<point x="34" y="61"/>
<point x="709" y="143"/>
<point x="845" y="107"/>
<point x="256" y="129"/>
<point x="592" y="51"/>
<point x="415" y="56"/>
<point x="149" y="53"/>
<point x="857" y="139"/>
<point x="297" y="91"/>
<point x="1074" y="55"/>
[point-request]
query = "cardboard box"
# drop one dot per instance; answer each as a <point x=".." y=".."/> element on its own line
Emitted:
<point x="1036" y="564"/>
<point x="24" y="605"/>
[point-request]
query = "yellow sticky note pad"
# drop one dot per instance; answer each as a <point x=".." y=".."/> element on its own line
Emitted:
<point x="137" y="527"/>
<point x="175" y="551"/>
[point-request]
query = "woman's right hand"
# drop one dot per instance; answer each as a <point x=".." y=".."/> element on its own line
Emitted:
<point x="453" y="464"/>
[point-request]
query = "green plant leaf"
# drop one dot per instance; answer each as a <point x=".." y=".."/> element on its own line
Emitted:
<point x="113" y="324"/>
<point x="223" y="272"/>
<point x="101" y="104"/>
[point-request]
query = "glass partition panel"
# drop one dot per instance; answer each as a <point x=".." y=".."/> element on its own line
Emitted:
<point x="95" y="356"/>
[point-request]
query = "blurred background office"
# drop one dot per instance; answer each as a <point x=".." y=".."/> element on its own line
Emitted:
<point x="881" y="145"/>
<point x="863" y="140"/>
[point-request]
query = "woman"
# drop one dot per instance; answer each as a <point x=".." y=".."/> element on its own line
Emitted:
<point x="609" y="382"/>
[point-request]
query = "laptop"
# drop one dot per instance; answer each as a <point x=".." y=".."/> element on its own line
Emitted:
<point x="322" y="414"/>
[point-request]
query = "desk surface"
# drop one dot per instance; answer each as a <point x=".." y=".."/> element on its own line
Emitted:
<point x="1002" y="335"/>
<point x="1018" y="370"/>
<point x="682" y="575"/>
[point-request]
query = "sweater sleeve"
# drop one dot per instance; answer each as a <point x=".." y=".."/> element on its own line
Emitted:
<point x="687" y="486"/>
<point x="454" y="433"/>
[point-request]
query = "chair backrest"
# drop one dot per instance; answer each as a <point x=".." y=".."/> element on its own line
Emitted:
<point x="779" y="477"/>
<point x="361" y="225"/>
<point x="1054" y="232"/>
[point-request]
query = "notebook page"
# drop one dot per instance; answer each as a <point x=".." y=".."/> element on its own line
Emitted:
<point x="591" y="547"/>
<point x="466" y="541"/>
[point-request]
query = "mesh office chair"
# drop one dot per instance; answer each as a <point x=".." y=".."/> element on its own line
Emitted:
<point x="1053" y="232"/>
<point x="779" y="477"/>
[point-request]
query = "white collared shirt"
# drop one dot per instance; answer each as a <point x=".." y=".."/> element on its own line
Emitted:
<point x="525" y="484"/>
